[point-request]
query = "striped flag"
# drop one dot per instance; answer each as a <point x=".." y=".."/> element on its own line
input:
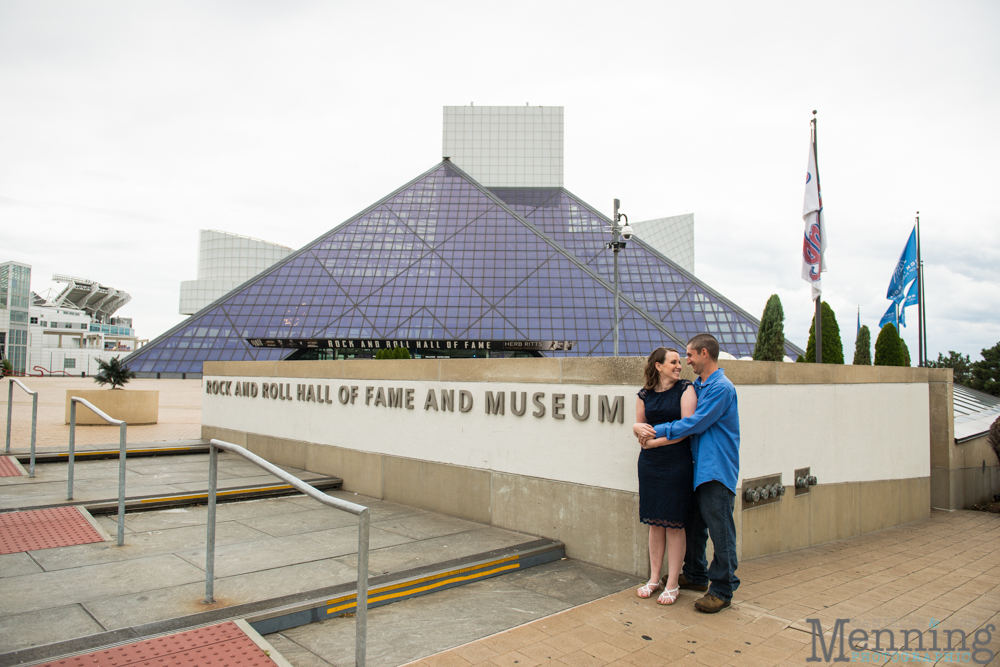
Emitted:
<point x="814" y="241"/>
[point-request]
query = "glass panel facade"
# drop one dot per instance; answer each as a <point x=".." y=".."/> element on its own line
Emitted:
<point x="15" y="296"/>
<point x="443" y="258"/>
<point x="657" y="285"/>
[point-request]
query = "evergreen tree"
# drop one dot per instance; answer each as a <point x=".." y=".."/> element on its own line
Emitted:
<point x="771" y="334"/>
<point x="888" y="351"/>
<point x="833" y="349"/>
<point x="986" y="373"/>
<point x="906" y="352"/>
<point x="863" y="347"/>
<point x="961" y="366"/>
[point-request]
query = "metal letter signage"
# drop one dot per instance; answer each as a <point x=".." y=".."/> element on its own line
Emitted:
<point x="413" y="344"/>
<point x="610" y="409"/>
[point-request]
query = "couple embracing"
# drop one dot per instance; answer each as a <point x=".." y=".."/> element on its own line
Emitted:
<point x="688" y="468"/>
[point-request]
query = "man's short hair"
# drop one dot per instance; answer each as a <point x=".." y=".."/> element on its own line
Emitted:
<point x="706" y="342"/>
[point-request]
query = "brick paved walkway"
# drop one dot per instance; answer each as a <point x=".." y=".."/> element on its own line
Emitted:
<point x="941" y="573"/>
<point x="180" y="413"/>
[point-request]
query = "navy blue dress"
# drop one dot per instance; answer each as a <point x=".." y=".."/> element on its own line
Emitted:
<point x="666" y="474"/>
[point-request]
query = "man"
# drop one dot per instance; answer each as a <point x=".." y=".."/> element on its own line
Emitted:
<point x="716" y="451"/>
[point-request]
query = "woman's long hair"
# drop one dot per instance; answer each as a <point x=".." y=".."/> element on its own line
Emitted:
<point x="657" y="356"/>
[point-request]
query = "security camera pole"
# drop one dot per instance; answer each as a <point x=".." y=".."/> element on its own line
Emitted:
<point x="615" y="245"/>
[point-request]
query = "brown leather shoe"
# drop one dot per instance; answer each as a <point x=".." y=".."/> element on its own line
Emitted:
<point x="711" y="604"/>
<point x="687" y="585"/>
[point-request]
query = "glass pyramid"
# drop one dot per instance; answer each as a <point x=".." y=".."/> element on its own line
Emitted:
<point x="659" y="286"/>
<point x="443" y="257"/>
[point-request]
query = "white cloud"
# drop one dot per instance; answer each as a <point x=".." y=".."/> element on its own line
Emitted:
<point x="126" y="127"/>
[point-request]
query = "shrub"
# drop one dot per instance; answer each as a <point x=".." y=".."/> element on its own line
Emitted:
<point x="993" y="438"/>
<point x="113" y="372"/>
<point x="888" y="347"/>
<point x="863" y="347"/>
<point x="771" y="334"/>
<point x="833" y="349"/>
<point x="393" y="353"/>
<point x="906" y="352"/>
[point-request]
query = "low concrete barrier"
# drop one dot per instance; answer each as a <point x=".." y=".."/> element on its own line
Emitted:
<point x="545" y="446"/>
<point x="134" y="406"/>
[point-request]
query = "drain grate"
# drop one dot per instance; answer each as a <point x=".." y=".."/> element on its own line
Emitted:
<point x="222" y="645"/>
<point x="45" y="529"/>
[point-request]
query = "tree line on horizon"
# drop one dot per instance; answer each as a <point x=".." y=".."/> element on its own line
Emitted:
<point x="890" y="349"/>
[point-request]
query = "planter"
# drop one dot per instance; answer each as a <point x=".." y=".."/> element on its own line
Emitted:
<point x="133" y="406"/>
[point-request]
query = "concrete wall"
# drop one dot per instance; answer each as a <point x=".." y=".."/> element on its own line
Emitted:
<point x="971" y="476"/>
<point x="961" y="474"/>
<point x="865" y="433"/>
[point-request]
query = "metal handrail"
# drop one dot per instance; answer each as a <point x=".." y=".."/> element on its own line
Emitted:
<point x="121" y="457"/>
<point x="34" y="419"/>
<point x="361" y="619"/>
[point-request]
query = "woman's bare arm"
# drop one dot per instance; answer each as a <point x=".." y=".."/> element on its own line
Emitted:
<point x="689" y="402"/>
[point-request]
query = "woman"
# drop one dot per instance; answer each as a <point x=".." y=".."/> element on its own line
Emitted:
<point x="666" y="470"/>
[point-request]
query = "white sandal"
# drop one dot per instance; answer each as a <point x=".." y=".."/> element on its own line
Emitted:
<point x="670" y="594"/>
<point x="647" y="591"/>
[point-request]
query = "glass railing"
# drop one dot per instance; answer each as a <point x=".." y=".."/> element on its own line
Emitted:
<point x="111" y="330"/>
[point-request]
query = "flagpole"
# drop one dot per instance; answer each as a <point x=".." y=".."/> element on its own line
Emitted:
<point x="922" y="338"/>
<point x="819" y="298"/>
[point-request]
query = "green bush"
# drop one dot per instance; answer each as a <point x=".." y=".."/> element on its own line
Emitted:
<point x="393" y="353"/>
<point x="906" y="352"/>
<point x="833" y="349"/>
<point x="993" y="437"/>
<point x="113" y="372"/>
<point x="771" y="334"/>
<point x="889" y="348"/>
<point x="863" y="347"/>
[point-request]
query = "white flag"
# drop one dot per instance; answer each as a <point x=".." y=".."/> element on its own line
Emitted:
<point x="814" y="240"/>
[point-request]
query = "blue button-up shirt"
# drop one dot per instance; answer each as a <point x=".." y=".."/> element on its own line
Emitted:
<point x="716" y="423"/>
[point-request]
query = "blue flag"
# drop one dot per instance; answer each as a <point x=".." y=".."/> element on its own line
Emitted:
<point x="906" y="269"/>
<point x="889" y="317"/>
<point x="912" y="295"/>
<point x="912" y="299"/>
<point x="859" y="319"/>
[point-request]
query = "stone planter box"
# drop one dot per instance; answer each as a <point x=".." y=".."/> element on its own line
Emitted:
<point x="134" y="406"/>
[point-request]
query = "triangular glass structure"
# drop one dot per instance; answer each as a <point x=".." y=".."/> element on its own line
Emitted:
<point x="684" y="304"/>
<point x="443" y="257"/>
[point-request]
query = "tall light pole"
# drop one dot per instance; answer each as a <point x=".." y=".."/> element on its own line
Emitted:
<point x="615" y="245"/>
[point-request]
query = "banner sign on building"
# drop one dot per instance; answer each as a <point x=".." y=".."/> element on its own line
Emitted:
<point x="413" y="344"/>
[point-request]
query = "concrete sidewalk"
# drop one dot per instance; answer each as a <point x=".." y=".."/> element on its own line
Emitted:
<point x="939" y="573"/>
<point x="180" y="413"/>
<point x="265" y="549"/>
<point x="942" y="573"/>
<point x="97" y="480"/>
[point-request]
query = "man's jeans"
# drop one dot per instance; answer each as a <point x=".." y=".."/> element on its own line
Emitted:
<point x="712" y="515"/>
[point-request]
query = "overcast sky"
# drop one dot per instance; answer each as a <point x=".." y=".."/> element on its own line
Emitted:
<point x="125" y="127"/>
